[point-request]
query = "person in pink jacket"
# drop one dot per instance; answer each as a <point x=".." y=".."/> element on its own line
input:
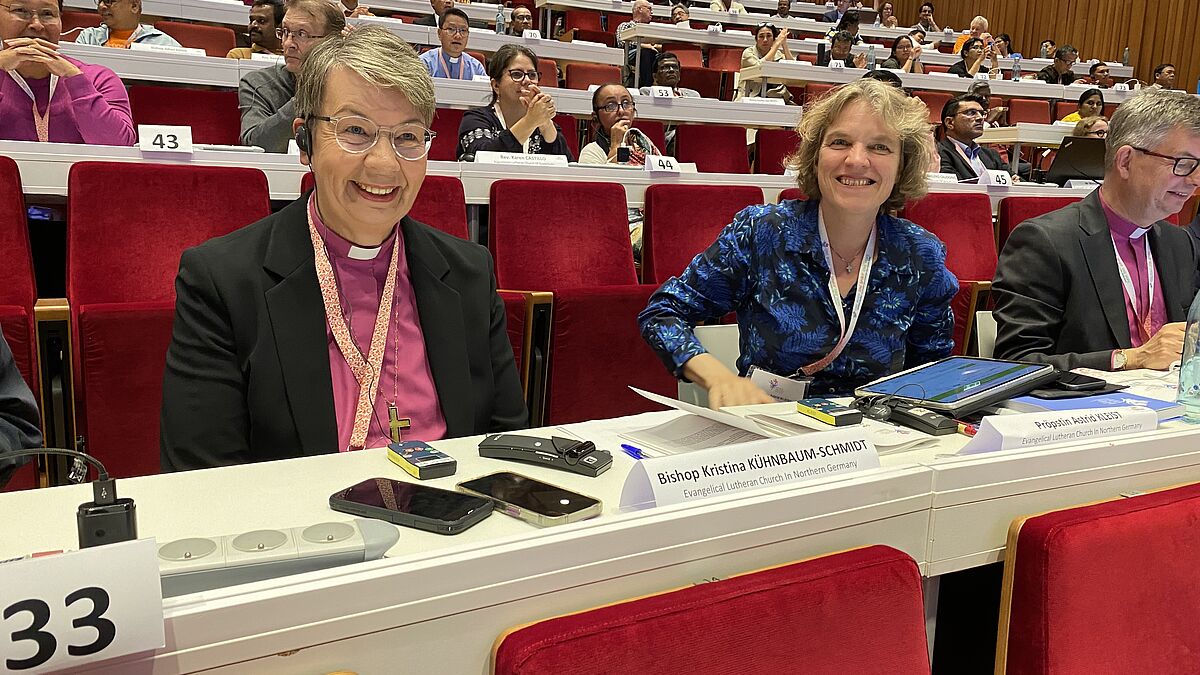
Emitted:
<point x="46" y="96"/>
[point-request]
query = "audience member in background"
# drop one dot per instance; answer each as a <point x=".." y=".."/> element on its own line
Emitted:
<point x="1164" y="76"/>
<point x="1105" y="283"/>
<point x="265" y="17"/>
<point x="613" y="112"/>
<point x="1100" y="75"/>
<point x="816" y="284"/>
<point x="439" y="7"/>
<point x="352" y="8"/>
<point x="451" y="60"/>
<point x="680" y="13"/>
<point x="770" y="44"/>
<point x="520" y="116"/>
<point x="848" y="24"/>
<point x="122" y="26"/>
<point x="996" y="115"/>
<point x="926" y="21"/>
<point x="1003" y="45"/>
<point x="266" y="96"/>
<point x="1046" y="50"/>
<point x="46" y="96"/>
<point x="886" y="77"/>
<point x="666" y="74"/>
<point x="783" y="9"/>
<point x="732" y="6"/>
<point x="979" y="26"/>
<point x="1091" y="127"/>
<point x="1059" y="72"/>
<point x="887" y="16"/>
<point x="840" y="50"/>
<point x="840" y="7"/>
<point x="20" y="424"/>
<point x="962" y="123"/>
<point x="521" y="20"/>
<point x="1091" y="104"/>
<point x="304" y="333"/>
<point x="643" y="11"/>
<point x="974" y="53"/>
<point x="905" y="56"/>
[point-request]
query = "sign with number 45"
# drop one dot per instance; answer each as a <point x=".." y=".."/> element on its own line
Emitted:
<point x="66" y="610"/>
<point x="163" y="138"/>
<point x="657" y="164"/>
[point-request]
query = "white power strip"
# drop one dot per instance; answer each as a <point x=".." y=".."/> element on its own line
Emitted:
<point x="204" y="563"/>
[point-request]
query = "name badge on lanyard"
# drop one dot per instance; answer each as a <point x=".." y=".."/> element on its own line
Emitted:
<point x="40" y="122"/>
<point x="860" y="294"/>
<point x="1141" y="319"/>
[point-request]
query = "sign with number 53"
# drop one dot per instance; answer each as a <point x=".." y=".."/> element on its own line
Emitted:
<point x="69" y="609"/>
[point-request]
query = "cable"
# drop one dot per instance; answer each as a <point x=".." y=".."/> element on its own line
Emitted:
<point x="101" y="472"/>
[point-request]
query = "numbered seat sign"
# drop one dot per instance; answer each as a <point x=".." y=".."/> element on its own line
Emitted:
<point x="164" y="138"/>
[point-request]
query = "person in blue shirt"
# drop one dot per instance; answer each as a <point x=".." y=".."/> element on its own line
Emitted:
<point x="451" y="60"/>
<point x="833" y="288"/>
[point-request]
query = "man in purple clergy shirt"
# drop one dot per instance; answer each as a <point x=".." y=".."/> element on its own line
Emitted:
<point x="1105" y="283"/>
<point x="50" y="97"/>
<point x="319" y="329"/>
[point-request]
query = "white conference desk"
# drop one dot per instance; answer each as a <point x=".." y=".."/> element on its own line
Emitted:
<point x="437" y="603"/>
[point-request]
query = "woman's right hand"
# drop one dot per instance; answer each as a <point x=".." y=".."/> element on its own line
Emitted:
<point x="617" y="135"/>
<point x="735" y="390"/>
<point x="539" y="106"/>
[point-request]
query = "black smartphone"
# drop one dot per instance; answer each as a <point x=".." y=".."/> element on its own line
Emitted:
<point x="532" y="500"/>
<point x="411" y="505"/>
<point x="1076" y="382"/>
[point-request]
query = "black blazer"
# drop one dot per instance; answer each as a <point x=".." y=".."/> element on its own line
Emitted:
<point x="952" y="162"/>
<point x="1058" y="296"/>
<point x="247" y="376"/>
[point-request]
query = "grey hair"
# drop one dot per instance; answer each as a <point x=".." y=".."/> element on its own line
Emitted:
<point x="376" y="55"/>
<point x="1146" y="118"/>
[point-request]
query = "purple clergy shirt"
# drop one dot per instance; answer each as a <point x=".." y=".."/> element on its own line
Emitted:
<point x="1130" y="244"/>
<point x="91" y="108"/>
<point x="407" y="379"/>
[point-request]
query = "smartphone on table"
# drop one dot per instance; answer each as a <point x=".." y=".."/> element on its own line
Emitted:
<point x="532" y="500"/>
<point x="412" y="505"/>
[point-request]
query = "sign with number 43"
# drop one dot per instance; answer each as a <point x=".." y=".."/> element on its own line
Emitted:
<point x="66" y="610"/>
<point x="163" y="138"/>
<point x="657" y="164"/>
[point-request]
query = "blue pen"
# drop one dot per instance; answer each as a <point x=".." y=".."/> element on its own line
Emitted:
<point x="633" y="452"/>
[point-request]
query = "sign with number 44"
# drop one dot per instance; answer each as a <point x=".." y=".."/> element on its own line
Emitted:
<point x="163" y="138"/>
<point x="657" y="164"/>
<point x="66" y="610"/>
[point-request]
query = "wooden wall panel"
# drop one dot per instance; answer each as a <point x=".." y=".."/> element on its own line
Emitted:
<point x="1155" y="31"/>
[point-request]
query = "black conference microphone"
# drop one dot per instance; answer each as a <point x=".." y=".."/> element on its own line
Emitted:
<point x="106" y="519"/>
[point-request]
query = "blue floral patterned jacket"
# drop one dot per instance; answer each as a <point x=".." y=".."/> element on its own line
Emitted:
<point x="768" y="266"/>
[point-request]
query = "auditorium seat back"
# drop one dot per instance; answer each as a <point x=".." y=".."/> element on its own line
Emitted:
<point x="445" y="123"/>
<point x="570" y="129"/>
<point x="771" y="148"/>
<point x="1028" y="110"/>
<point x="585" y="19"/>
<point x="725" y="59"/>
<point x="714" y="149"/>
<point x="127" y="225"/>
<point x="703" y="80"/>
<point x="212" y="115"/>
<point x="934" y="101"/>
<point x="865" y="604"/>
<point x="584" y="75"/>
<point x="689" y="55"/>
<point x="1016" y="210"/>
<point x="214" y="40"/>
<point x="74" y="22"/>
<point x="683" y="220"/>
<point x="547" y="72"/>
<point x="655" y="131"/>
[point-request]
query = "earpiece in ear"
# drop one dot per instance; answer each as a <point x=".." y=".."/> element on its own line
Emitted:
<point x="304" y="139"/>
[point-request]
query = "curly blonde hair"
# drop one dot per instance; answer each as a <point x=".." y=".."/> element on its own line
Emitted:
<point x="908" y="117"/>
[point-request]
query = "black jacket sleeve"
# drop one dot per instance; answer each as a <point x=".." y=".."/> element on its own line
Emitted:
<point x="20" y="425"/>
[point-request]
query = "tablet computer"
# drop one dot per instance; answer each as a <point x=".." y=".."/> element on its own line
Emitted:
<point x="960" y="385"/>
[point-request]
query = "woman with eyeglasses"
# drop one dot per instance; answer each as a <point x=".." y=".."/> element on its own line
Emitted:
<point x="520" y="116"/>
<point x="770" y="44"/>
<point x="46" y="96"/>
<point x="340" y="322"/>
<point x="1091" y="127"/>
<point x="905" y="56"/>
<point x="613" y="112"/>
<point x="1091" y="104"/>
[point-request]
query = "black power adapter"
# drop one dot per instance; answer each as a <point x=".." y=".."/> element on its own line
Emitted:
<point x="106" y="519"/>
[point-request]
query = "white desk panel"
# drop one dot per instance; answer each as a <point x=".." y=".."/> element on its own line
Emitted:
<point x="160" y="66"/>
<point x="476" y="11"/>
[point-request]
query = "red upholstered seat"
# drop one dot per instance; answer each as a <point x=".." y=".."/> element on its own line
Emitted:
<point x="964" y="223"/>
<point x="714" y="149"/>
<point x="683" y="220"/>
<point x="18" y="292"/>
<point x="570" y="129"/>
<point x="445" y="123"/>
<point x="1028" y="110"/>
<point x="584" y="19"/>
<point x="689" y="55"/>
<point x="772" y="146"/>
<point x="792" y="193"/>
<point x="547" y="70"/>
<point x="1104" y="588"/>
<point x="600" y="36"/>
<point x="121" y="266"/>
<point x="725" y="59"/>
<point x="584" y="75"/>
<point x="703" y="80"/>
<point x="1016" y="210"/>
<point x="214" y="40"/>
<point x="1064" y="108"/>
<point x="934" y="101"/>
<point x="573" y="239"/>
<point x="935" y="68"/>
<point x="855" y="612"/>
<point x="212" y="115"/>
<point x="73" y="22"/>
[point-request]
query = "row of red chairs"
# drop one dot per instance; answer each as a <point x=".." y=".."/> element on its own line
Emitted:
<point x="214" y="40"/>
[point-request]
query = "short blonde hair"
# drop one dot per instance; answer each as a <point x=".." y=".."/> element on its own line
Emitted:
<point x="376" y="55"/>
<point x="908" y="117"/>
<point x="1083" y="126"/>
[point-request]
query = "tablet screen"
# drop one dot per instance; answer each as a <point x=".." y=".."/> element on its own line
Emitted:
<point x="953" y="379"/>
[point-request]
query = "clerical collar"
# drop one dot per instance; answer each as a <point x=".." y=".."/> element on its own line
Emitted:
<point x="1118" y="224"/>
<point x="340" y="247"/>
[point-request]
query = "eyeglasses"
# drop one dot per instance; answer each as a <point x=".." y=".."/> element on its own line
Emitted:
<point x="25" y="16"/>
<point x="356" y="135"/>
<point x="518" y="75"/>
<point x="456" y="31"/>
<point x="973" y="112"/>
<point x="612" y="106"/>
<point x="1183" y="166"/>
<point x="668" y="66"/>
<point x="297" y="35"/>
<point x="1098" y="133"/>
<point x="106" y="2"/>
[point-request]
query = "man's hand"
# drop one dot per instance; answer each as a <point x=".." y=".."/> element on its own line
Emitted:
<point x="1160" y="351"/>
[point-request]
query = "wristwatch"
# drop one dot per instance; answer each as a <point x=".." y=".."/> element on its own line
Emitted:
<point x="1118" y="359"/>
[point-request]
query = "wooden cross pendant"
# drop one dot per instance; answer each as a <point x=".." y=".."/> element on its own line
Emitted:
<point x="397" y="423"/>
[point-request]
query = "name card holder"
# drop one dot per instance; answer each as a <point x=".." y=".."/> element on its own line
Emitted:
<point x="937" y="177"/>
<point x="1120" y="86"/>
<point x="762" y="100"/>
<point x="699" y="474"/>
<point x="161" y="138"/>
<point x="489" y="157"/>
<point x="272" y="58"/>
<point x="715" y="28"/>
<point x="662" y="165"/>
<point x="999" y="177"/>
<point x="837" y="64"/>
<point x="166" y="49"/>
<point x="1030" y="430"/>
<point x="531" y="34"/>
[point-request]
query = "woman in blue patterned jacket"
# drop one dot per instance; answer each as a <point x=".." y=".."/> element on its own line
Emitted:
<point x="833" y="288"/>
